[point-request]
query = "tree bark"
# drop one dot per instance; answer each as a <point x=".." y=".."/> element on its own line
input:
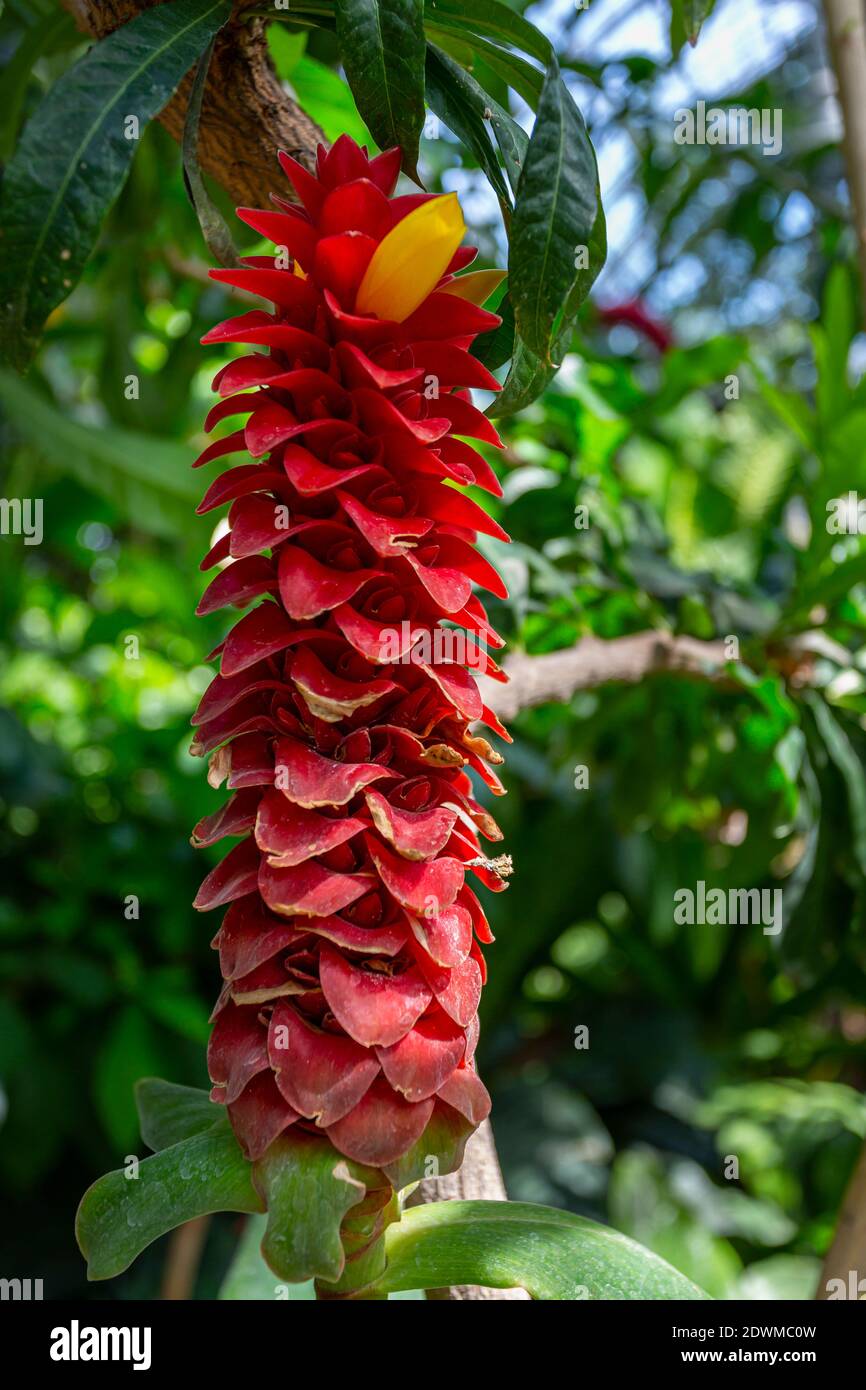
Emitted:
<point x="247" y="115"/>
<point x="848" y="1250"/>
<point x="846" y="33"/>
<point x="479" y="1177"/>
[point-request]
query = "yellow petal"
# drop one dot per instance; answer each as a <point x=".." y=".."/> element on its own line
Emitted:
<point x="477" y="286"/>
<point x="408" y="262"/>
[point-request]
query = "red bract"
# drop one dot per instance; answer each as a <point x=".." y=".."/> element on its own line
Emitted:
<point x="341" y="719"/>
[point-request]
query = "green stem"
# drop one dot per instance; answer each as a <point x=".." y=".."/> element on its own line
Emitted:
<point x="363" y="1240"/>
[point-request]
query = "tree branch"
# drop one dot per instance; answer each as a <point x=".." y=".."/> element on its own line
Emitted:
<point x="591" y="662"/>
<point x="246" y="113"/>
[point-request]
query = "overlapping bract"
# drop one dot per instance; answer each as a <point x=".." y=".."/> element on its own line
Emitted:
<point x="341" y="720"/>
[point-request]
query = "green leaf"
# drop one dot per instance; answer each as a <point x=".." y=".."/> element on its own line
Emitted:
<point x="497" y="21"/>
<point x="182" y="1013"/>
<point x="552" y="1254"/>
<point x="308" y="1188"/>
<point x="286" y="48"/>
<point x="214" y="229"/>
<point x="527" y="377"/>
<point x="597" y="255"/>
<point x="831" y="341"/>
<point x="248" y="1277"/>
<point x="792" y="410"/>
<point x="526" y="79"/>
<point x="555" y="216"/>
<point x="168" y="1113"/>
<point x="848" y="764"/>
<point x="74" y="155"/>
<point x="121" y="1215"/>
<point x="48" y="35"/>
<point x="458" y="100"/>
<point x="382" y="47"/>
<point x="149" y="480"/>
<point x="496" y="347"/>
<point x="687" y="16"/>
<point x="326" y="97"/>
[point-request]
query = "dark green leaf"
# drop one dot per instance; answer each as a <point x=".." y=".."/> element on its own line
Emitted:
<point x="121" y="1214"/>
<point x="552" y="1254"/>
<point x="554" y="219"/>
<point x="458" y="100"/>
<point x="527" y="377"/>
<point x="687" y="16"/>
<point x="526" y="79"/>
<point x="45" y="36"/>
<point x="497" y="21"/>
<point x="596" y="257"/>
<point x="848" y="764"/>
<point x="130" y="1046"/>
<point x="382" y="46"/>
<point x="75" y="154"/>
<point x="496" y="347"/>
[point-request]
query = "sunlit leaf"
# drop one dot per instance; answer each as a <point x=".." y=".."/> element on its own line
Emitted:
<point x="552" y="1254"/>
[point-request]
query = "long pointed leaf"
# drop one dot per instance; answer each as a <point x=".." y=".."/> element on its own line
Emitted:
<point x="458" y="100"/>
<point x="382" y="47"/>
<point x="497" y="21"/>
<point x="500" y="1245"/>
<point x="75" y="153"/>
<point x="555" y="215"/>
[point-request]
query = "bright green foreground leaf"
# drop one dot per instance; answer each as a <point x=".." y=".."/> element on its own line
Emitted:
<point x="75" y="153"/>
<point x="325" y="96"/>
<point x="383" y="49"/>
<point x="121" y="1214"/>
<point x="552" y="1254"/>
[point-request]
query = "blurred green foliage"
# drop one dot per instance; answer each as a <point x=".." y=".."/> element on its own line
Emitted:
<point x="705" y="473"/>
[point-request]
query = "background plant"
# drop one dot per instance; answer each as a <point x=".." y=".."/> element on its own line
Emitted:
<point x="707" y="518"/>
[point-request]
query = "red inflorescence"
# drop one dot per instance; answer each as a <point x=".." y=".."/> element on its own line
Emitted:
<point x="339" y="720"/>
